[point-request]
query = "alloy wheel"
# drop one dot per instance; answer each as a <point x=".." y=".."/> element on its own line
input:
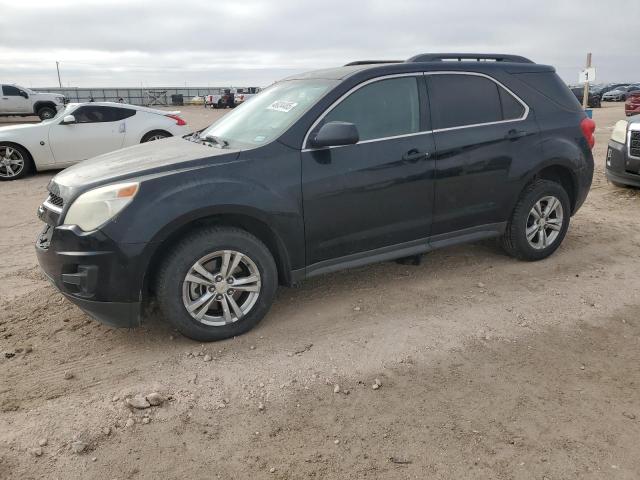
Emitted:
<point x="544" y="222"/>
<point x="221" y="288"/>
<point x="156" y="137"/>
<point x="11" y="162"/>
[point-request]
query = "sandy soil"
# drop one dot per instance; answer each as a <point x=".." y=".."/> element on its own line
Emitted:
<point x="489" y="367"/>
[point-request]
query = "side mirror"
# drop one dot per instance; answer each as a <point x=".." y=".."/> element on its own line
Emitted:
<point x="333" y="134"/>
<point x="24" y="94"/>
<point x="68" y="119"/>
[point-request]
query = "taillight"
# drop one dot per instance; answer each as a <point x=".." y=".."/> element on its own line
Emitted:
<point x="179" y="121"/>
<point x="588" y="128"/>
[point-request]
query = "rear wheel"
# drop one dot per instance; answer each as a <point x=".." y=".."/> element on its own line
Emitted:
<point x="217" y="283"/>
<point x="15" y="162"/>
<point x="539" y="222"/>
<point x="45" y="113"/>
<point x="155" y="135"/>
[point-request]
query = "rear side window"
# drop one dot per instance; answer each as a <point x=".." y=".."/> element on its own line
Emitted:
<point x="385" y="108"/>
<point x="512" y="109"/>
<point x="551" y="86"/>
<point x="461" y="100"/>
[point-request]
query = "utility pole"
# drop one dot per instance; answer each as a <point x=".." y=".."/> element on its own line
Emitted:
<point x="585" y="95"/>
<point x="58" y="69"/>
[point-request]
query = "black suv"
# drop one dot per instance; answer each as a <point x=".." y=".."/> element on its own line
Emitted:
<point x="322" y="171"/>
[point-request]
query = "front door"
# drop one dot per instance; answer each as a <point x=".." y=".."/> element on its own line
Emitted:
<point x="485" y="138"/>
<point x="378" y="192"/>
<point x="14" y="100"/>
<point x="97" y="130"/>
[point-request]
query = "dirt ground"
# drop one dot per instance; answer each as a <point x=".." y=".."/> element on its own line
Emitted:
<point x="488" y="367"/>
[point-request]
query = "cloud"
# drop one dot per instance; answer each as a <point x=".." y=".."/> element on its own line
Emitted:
<point x="224" y="42"/>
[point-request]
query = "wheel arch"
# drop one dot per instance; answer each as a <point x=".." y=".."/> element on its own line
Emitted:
<point x="563" y="175"/>
<point x="43" y="103"/>
<point x="155" y="130"/>
<point x="246" y="221"/>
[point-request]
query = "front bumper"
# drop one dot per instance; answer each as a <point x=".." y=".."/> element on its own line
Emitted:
<point x="92" y="271"/>
<point x="620" y="167"/>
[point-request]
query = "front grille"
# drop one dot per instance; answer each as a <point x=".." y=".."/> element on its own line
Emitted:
<point x="55" y="200"/>
<point x="634" y="144"/>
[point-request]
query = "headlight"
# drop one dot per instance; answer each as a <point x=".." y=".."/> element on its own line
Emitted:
<point x="619" y="133"/>
<point x="96" y="207"/>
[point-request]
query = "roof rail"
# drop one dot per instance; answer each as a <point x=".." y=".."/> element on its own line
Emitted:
<point x="478" y="57"/>
<point x="371" y="62"/>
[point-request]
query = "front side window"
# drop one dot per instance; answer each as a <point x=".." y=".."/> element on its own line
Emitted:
<point x="385" y="108"/>
<point x="269" y="114"/>
<point x="100" y="114"/>
<point x="462" y="100"/>
<point x="10" y="91"/>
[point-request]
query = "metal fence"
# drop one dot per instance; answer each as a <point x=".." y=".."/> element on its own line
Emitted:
<point x="134" y="96"/>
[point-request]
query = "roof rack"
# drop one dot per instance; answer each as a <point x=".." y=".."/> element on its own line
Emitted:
<point x="371" y="62"/>
<point x="478" y="57"/>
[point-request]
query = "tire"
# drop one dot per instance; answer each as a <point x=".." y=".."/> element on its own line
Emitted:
<point x="174" y="291"/>
<point x="45" y="113"/>
<point x="15" y="162"/>
<point x="155" y="135"/>
<point x="523" y="221"/>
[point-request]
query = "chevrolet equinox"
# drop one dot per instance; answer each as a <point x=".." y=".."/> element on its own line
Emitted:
<point x="326" y="170"/>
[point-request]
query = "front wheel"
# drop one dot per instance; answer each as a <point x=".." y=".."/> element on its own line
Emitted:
<point x="15" y="162"/>
<point x="539" y="222"/>
<point x="45" y="113"/>
<point x="217" y="283"/>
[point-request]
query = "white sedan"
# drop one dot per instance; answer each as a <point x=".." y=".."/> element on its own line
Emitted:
<point x="81" y="131"/>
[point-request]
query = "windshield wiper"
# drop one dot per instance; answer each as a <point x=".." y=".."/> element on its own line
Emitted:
<point x="215" y="139"/>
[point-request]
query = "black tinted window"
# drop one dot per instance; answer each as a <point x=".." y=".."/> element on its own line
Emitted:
<point x="99" y="114"/>
<point x="459" y="100"/>
<point x="551" y="86"/>
<point x="381" y="109"/>
<point x="10" y="91"/>
<point x="511" y="108"/>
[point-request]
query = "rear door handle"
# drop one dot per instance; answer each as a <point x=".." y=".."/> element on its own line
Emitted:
<point x="515" y="134"/>
<point x="414" y="155"/>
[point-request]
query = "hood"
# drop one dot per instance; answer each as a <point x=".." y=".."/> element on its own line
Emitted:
<point x="22" y="126"/>
<point x="146" y="159"/>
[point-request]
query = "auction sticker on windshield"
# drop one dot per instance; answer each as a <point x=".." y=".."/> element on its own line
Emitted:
<point x="282" y="106"/>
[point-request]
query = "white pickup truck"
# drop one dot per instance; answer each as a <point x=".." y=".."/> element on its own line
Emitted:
<point x="230" y="97"/>
<point x="20" y="101"/>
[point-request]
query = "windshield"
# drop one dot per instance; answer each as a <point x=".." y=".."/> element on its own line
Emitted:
<point x="266" y="116"/>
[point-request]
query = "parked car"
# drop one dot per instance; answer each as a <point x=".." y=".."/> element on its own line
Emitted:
<point x="221" y="100"/>
<point x="620" y="93"/>
<point x="610" y="86"/>
<point x="81" y="131"/>
<point x="322" y="171"/>
<point x="623" y="153"/>
<point x="244" y="94"/>
<point x="21" y="101"/>
<point x="593" y="101"/>
<point x="632" y="104"/>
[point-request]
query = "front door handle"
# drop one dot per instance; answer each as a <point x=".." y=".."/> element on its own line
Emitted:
<point x="514" y="134"/>
<point x="414" y="155"/>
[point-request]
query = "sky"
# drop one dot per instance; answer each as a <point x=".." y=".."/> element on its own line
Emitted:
<point x="115" y="43"/>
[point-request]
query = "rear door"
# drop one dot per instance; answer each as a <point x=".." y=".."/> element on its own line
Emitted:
<point x="485" y="139"/>
<point x="13" y="100"/>
<point x="98" y="129"/>
<point x="379" y="192"/>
